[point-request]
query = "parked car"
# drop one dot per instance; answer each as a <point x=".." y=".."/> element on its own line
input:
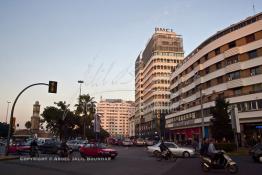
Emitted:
<point x="127" y="142"/>
<point x="175" y="149"/>
<point x="149" y="142"/>
<point x="140" y="142"/>
<point x="19" y="147"/>
<point x="119" y="142"/>
<point x="50" y="147"/>
<point x="97" y="150"/>
<point x="76" y="144"/>
<point x="256" y="152"/>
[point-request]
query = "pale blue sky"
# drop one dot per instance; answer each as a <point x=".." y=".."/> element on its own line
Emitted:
<point x="95" y="41"/>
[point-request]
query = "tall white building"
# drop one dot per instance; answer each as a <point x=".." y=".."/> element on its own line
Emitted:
<point x="228" y="64"/>
<point x="153" y="68"/>
<point x="115" y="114"/>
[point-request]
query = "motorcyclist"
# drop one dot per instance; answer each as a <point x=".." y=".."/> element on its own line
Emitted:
<point x="33" y="148"/>
<point x="163" y="148"/>
<point x="64" y="149"/>
<point x="212" y="152"/>
<point x="204" y="147"/>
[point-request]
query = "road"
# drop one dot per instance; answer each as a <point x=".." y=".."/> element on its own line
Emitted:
<point x="131" y="161"/>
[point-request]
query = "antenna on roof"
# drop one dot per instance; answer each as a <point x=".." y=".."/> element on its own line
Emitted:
<point x="254" y="10"/>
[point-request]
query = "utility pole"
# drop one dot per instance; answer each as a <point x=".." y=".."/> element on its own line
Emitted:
<point x="8" y="102"/>
<point x="202" y="115"/>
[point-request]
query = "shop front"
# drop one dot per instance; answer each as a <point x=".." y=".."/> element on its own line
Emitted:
<point x="186" y="136"/>
<point x="252" y="133"/>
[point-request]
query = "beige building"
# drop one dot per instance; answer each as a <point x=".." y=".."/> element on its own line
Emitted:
<point x="153" y="68"/>
<point x="115" y="114"/>
<point x="227" y="64"/>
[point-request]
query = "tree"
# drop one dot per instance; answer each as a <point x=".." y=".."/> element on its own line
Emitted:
<point x="28" y="125"/>
<point x="61" y="121"/>
<point x="3" y="129"/>
<point x="221" y="127"/>
<point x="85" y="109"/>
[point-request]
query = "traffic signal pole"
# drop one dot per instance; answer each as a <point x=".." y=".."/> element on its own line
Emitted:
<point x="12" y="114"/>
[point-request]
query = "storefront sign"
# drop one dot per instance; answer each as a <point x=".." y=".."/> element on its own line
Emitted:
<point x="184" y="123"/>
<point x="259" y="127"/>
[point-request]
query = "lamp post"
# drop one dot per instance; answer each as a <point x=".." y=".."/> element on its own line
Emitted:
<point x="80" y="82"/>
<point x="8" y="102"/>
<point x="202" y="115"/>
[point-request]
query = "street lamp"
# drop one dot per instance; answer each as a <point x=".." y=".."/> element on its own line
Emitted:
<point x="8" y="102"/>
<point x="202" y="115"/>
<point x="80" y="82"/>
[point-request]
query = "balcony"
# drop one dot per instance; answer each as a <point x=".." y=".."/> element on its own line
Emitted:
<point x="231" y="52"/>
<point x="197" y="81"/>
<point x="234" y="83"/>
<point x="233" y="67"/>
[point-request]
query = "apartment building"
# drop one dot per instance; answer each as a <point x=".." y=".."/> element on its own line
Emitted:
<point x="153" y="68"/>
<point x="227" y="64"/>
<point x="115" y="114"/>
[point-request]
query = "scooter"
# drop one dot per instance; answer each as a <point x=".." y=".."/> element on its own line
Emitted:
<point x="65" y="153"/>
<point x="224" y="162"/>
<point x="167" y="155"/>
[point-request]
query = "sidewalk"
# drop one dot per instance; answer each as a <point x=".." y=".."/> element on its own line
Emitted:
<point x="10" y="157"/>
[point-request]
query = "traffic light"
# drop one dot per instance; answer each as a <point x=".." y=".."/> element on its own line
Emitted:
<point x="52" y="88"/>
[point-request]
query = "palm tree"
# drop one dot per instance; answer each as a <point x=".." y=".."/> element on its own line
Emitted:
<point x="86" y="109"/>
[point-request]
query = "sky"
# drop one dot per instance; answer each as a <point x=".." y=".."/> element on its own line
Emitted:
<point x="94" y="41"/>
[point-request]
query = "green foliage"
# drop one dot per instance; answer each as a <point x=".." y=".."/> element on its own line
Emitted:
<point x="221" y="127"/>
<point x="4" y="129"/>
<point x="61" y="121"/>
<point x="28" y="125"/>
<point x="228" y="147"/>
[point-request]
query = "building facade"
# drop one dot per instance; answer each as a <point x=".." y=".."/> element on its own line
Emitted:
<point x="114" y="115"/>
<point x="228" y="64"/>
<point x="153" y="68"/>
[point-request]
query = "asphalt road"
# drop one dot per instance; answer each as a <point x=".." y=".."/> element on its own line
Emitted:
<point x="130" y="161"/>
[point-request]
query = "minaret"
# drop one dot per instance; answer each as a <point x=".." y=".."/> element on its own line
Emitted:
<point x="35" y="119"/>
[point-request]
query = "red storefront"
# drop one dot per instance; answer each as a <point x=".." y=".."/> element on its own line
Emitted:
<point x="186" y="134"/>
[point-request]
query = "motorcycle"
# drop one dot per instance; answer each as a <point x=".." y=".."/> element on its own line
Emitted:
<point x="65" y="153"/>
<point x="34" y="151"/>
<point x="166" y="155"/>
<point x="224" y="162"/>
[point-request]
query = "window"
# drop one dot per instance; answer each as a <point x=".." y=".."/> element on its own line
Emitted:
<point x="259" y="104"/>
<point x="232" y="44"/>
<point x="217" y="51"/>
<point x="218" y="65"/>
<point x="208" y="84"/>
<point x="257" y="87"/>
<point x="219" y="80"/>
<point x="250" y="38"/>
<point x="237" y="91"/>
<point x="207" y="70"/>
<point x="255" y="71"/>
<point x="232" y="59"/>
<point x="252" y="54"/>
<point x="234" y="75"/>
<point x="253" y="105"/>
<point x="206" y="57"/>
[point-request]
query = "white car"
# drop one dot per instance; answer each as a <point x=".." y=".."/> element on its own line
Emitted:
<point x="175" y="149"/>
<point x="127" y="142"/>
<point x="76" y="144"/>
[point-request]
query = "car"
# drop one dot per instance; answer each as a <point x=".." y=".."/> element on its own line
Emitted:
<point x="149" y="142"/>
<point x="140" y="142"/>
<point x="76" y="144"/>
<point x="97" y="150"/>
<point x="50" y="146"/>
<point x="19" y="148"/>
<point x="256" y="152"/>
<point x="127" y="142"/>
<point x="119" y="142"/>
<point x="175" y="149"/>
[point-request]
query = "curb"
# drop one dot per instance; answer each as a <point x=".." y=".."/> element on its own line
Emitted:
<point x="3" y="158"/>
